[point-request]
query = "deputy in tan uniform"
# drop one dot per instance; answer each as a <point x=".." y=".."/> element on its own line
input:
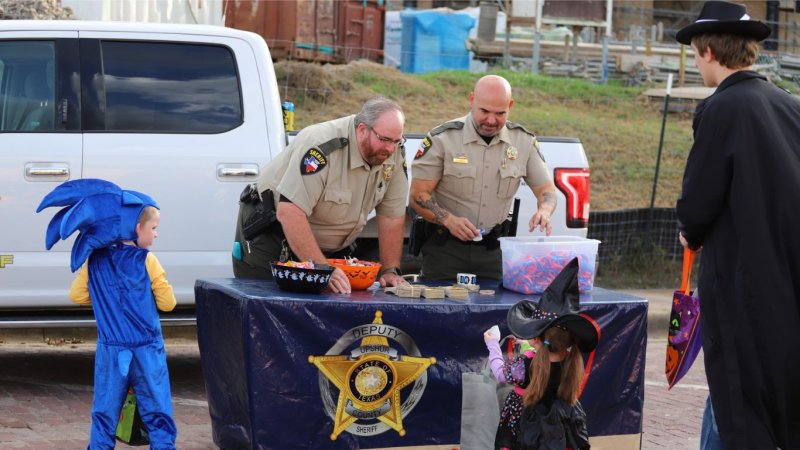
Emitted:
<point x="464" y="177"/>
<point x="321" y="189"/>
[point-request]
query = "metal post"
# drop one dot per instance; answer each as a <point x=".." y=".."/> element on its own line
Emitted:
<point x="658" y="158"/>
<point x="682" y="67"/>
<point x="537" y="38"/>
<point x="507" y="44"/>
<point x="604" y="76"/>
<point x="574" y="56"/>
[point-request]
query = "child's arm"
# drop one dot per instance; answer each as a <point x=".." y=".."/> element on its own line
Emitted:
<point x="162" y="290"/>
<point x="79" y="291"/>
<point x="496" y="361"/>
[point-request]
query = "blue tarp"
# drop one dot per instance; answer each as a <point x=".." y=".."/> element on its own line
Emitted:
<point x="434" y="40"/>
<point x="263" y="392"/>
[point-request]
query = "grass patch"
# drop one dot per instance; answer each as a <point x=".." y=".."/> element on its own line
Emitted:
<point x="643" y="266"/>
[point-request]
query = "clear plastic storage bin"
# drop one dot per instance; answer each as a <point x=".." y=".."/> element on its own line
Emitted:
<point x="530" y="263"/>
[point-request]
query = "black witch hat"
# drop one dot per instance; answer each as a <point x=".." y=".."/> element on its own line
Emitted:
<point x="559" y="306"/>
<point x="723" y="17"/>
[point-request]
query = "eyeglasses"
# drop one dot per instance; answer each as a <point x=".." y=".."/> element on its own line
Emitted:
<point x="385" y="140"/>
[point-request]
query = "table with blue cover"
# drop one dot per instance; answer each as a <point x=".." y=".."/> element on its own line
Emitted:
<point x="288" y="370"/>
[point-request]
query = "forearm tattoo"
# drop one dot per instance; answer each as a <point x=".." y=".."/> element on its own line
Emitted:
<point x="549" y="201"/>
<point x="438" y="212"/>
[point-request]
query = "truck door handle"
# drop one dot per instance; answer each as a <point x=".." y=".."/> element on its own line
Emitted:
<point x="52" y="171"/>
<point x="237" y="170"/>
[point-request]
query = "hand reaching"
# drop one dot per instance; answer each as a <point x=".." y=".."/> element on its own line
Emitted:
<point x="492" y="334"/>
<point x="541" y="220"/>
<point x="461" y="228"/>
<point x="339" y="283"/>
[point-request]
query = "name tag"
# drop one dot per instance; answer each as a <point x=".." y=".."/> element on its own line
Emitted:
<point x="461" y="158"/>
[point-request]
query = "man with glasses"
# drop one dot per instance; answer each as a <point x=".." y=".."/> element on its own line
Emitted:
<point x="312" y="200"/>
<point x="465" y="175"/>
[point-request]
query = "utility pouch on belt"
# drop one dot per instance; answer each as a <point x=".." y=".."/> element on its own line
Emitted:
<point x="418" y="235"/>
<point x="263" y="214"/>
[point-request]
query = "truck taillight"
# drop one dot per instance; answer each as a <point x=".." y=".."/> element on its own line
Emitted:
<point x="574" y="183"/>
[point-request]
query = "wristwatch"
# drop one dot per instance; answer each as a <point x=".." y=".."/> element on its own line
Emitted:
<point x="394" y="270"/>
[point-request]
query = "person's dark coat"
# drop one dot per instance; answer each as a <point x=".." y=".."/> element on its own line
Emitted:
<point x="558" y="426"/>
<point x="741" y="203"/>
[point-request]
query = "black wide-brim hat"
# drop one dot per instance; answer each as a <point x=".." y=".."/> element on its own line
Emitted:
<point x="559" y="306"/>
<point x="723" y="17"/>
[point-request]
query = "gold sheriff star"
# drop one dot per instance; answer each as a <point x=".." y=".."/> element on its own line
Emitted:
<point x="370" y="383"/>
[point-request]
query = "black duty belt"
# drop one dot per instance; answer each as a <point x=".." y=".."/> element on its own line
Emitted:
<point x="489" y="239"/>
<point x="346" y="252"/>
<point x="288" y="254"/>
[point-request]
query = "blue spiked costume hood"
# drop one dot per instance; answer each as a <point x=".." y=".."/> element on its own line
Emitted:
<point x="100" y="210"/>
<point x="121" y="289"/>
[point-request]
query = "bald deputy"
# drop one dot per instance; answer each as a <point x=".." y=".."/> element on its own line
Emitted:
<point x="465" y="175"/>
<point x="312" y="200"/>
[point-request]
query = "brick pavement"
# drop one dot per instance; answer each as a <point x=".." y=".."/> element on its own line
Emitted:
<point x="672" y="417"/>
<point x="46" y="393"/>
<point x="46" y="405"/>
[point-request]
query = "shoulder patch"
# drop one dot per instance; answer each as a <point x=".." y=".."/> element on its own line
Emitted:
<point x="423" y="147"/>
<point x="516" y="126"/>
<point x="405" y="165"/>
<point x="452" y="125"/>
<point x="316" y="158"/>
<point x="313" y="161"/>
<point x="539" y="151"/>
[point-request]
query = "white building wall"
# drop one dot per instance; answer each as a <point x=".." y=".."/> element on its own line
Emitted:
<point x="208" y="12"/>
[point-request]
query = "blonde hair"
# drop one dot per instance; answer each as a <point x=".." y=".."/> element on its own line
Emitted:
<point x="147" y="213"/>
<point x="569" y="385"/>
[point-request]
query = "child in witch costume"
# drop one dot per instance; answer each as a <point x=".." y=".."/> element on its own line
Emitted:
<point x="543" y="411"/>
<point x="125" y="284"/>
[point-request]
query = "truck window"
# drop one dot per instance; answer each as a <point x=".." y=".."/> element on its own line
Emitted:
<point x="170" y="87"/>
<point x="27" y="80"/>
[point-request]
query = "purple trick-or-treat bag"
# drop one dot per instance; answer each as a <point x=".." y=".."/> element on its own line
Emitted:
<point x="683" y="340"/>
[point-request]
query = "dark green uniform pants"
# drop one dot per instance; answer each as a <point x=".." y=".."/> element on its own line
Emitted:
<point x="257" y="253"/>
<point x="442" y="260"/>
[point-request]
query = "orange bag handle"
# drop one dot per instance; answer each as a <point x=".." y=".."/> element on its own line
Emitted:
<point x="688" y="262"/>
<point x="588" y="368"/>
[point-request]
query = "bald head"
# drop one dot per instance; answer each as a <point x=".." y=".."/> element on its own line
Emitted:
<point x="493" y="86"/>
<point x="490" y="101"/>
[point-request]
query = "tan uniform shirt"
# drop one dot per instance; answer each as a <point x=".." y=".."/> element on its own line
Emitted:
<point x="478" y="180"/>
<point x="337" y="190"/>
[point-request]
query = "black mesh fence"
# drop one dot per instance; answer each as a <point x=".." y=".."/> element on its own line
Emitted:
<point x="626" y="231"/>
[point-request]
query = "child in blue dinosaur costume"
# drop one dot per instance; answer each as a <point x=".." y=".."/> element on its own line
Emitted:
<point x="125" y="284"/>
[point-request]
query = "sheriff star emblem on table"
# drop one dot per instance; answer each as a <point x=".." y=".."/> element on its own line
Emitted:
<point x="370" y="378"/>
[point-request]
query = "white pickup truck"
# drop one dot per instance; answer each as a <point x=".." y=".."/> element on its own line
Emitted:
<point x="188" y="114"/>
